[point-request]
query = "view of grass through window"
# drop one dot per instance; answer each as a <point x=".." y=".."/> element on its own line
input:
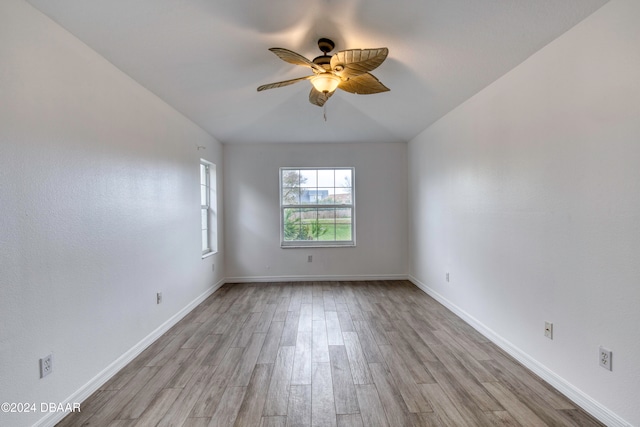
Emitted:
<point x="317" y="206"/>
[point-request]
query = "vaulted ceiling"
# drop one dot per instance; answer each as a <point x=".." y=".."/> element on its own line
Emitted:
<point x="207" y="57"/>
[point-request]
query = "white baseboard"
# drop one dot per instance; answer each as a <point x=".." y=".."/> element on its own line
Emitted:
<point x="580" y="398"/>
<point x="327" y="278"/>
<point x="96" y="382"/>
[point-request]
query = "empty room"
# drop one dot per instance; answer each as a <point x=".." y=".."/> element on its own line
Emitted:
<point x="319" y="213"/>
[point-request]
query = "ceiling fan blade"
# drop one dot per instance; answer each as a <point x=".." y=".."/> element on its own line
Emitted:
<point x="282" y="83"/>
<point x="318" y="98"/>
<point x="353" y="62"/>
<point x="296" y="59"/>
<point x="364" y="84"/>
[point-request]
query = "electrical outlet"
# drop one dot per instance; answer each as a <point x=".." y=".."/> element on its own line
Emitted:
<point x="310" y="258"/>
<point x="447" y="276"/>
<point x="605" y="358"/>
<point x="159" y="298"/>
<point x="548" y="330"/>
<point x="46" y="365"/>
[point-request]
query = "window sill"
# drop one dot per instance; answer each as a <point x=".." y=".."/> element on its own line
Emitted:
<point x="208" y="254"/>
<point x="294" y="246"/>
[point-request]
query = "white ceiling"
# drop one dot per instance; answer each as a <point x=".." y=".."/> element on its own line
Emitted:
<point x="207" y="57"/>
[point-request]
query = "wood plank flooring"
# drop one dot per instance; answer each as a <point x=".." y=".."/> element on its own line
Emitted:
<point x="374" y="353"/>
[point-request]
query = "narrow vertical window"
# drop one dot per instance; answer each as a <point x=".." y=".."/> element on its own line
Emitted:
<point x="208" y="207"/>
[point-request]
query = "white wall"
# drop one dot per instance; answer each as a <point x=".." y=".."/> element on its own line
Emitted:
<point x="99" y="204"/>
<point x="529" y="195"/>
<point x="252" y="212"/>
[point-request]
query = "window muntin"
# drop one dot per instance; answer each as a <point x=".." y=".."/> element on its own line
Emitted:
<point x="208" y="207"/>
<point x="317" y="207"/>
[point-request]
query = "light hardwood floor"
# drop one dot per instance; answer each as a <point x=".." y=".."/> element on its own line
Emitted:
<point x="374" y="353"/>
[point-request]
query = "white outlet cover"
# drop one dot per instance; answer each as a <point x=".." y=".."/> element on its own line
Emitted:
<point x="46" y="365"/>
<point x="604" y="358"/>
<point x="548" y="330"/>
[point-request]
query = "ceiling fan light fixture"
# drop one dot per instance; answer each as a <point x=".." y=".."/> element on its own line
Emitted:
<point x="347" y="70"/>
<point x="325" y="82"/>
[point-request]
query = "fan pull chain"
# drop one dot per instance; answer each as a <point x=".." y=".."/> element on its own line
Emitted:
<point x="324" y="112"/>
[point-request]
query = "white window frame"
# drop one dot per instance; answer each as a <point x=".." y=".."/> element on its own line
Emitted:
<point x="208" y="230"/>
<point x="317" y="243"/>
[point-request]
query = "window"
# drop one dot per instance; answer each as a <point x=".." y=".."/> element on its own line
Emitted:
<point x="208" y="208"/>
<point x="317" y="207"/>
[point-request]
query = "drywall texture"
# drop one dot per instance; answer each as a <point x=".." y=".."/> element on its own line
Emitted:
<point x="529" y="196"/>
<point x="99" y="201"/>
<point x="252" y="212"/>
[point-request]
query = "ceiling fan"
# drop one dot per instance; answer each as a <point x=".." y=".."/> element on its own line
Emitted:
<point x="347" y="70"/>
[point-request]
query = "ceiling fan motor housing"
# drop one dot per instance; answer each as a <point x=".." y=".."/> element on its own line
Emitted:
<point x="324" y="61"/>
<point x="325" y="46"/>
